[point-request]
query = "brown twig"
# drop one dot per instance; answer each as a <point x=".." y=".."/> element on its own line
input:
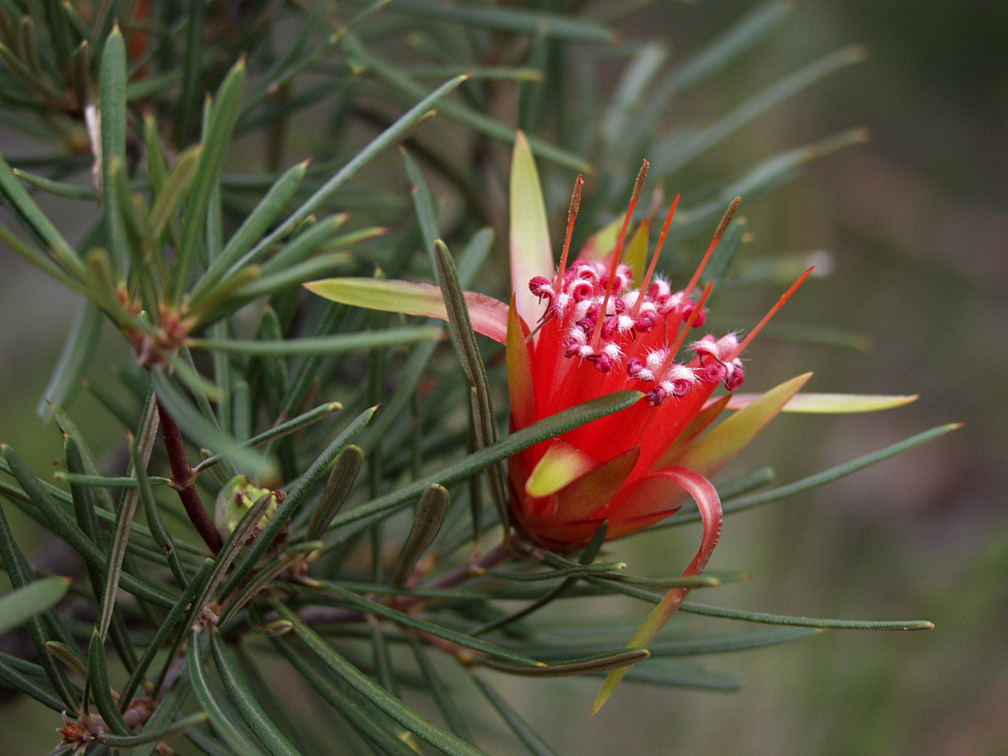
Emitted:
<point x="183" y="481"/>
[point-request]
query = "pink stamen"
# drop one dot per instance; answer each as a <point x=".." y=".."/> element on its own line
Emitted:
<point x="618" y="253"/>
<point x="718" y="233"/>
<point x="681" y="336"/>
<point x="646" y="283"/>
<point x="766" y="318"/>
<point x="575" y="205"/>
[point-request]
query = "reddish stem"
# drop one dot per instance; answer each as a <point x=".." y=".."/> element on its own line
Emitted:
<point x="184" y="478"/>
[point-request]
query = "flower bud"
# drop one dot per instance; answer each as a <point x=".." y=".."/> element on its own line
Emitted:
<point x="235" y="499"/>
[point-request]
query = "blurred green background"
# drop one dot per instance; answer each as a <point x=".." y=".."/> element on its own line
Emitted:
<point x="917" y="225"/>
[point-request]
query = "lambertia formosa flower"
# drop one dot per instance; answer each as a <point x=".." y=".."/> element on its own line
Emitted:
<point x="602" y="324"/>
<point x="587" y="329"/>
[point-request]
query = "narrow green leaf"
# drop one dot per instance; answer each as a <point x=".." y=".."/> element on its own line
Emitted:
<point x="236" y="541"/>
<point x="426" y="525"/>
<point x="39" y="85"/>
<point x="439" y="691"/>
<point x="759" y="180"/>
<point x="256" y="223"/>
<point x="155" y="734"/>
<point x="821" y="624"/>
<point x="585" y="562"/>
<point x="37" y="222"/>
<point x="819" y="479"/>
<point x="367" y="606"/>
<point x="84" y="506"/>
<point x="338" y="344"/>
<point x="107" y="481"/>
<point x="124" y="523"/>
<point x="722" y="258"/>
<point x="216" y="139"/>
<point x="58" y="520"/>
<point x="423" y="204"/>
<point x="112" y="107"/>
<point x="635" y="87"/>
<point x="416" y="723"/>
<point x="56" y="188"/>
<point x="179" y="608"/>
<point x="100" y="689"/>
<point x="191" y="92"/>
<point x="292" y="556"/>
<point x="519" y="727"/>
<point x="246" y="704"/>
<point x="208" y="699"/>
<point x="579" y="570"/>
<point x="604" y="662"/>
<point x="341" y="480"/>
<point x="18" y="606"/>
<point x="534" y="93"/>
<point x="45" y="496"/>
<point x="157" y="158"/>
<point x="671" y="157"/>
<point x="127" y="211"/>
<point x="387" y="137"/>
<point x="170" y="196"/>
<point x="29" y="685"/>
<point x="488" y="316"/>
<point x="311" y="240"/>
<point x="17" y="245"/>
<point x="295" y="274"/>
<point x="364" y="716"/>
<point x="73" y="360"/>
<point x="408" y="88"/>
<point x="279" y="431"/>
<point x="832" y="403"/>
<point x="464" y="340"/>
<point x="160" y="533"/>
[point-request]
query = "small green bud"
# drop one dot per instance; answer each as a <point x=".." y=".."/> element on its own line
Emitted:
<point x="235" y="499"/>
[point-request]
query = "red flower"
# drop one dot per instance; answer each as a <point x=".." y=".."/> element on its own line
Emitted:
<point x="597" y="326"/>
<point x="600" y="332"/>
<point x="587" y="329"/>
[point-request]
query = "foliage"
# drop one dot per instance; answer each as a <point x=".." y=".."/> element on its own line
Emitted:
<point x="368" y="552"/>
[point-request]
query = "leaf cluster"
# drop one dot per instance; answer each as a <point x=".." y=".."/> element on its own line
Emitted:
<point x="387" y="568"/>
